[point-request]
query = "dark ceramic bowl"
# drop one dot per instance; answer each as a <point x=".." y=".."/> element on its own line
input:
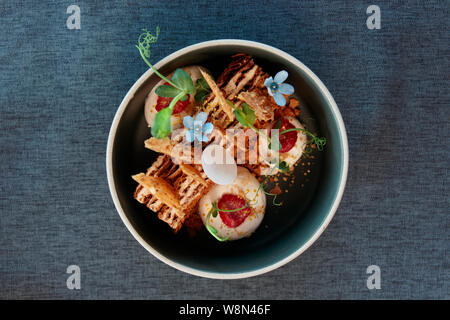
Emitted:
<point x="286" y="231"/>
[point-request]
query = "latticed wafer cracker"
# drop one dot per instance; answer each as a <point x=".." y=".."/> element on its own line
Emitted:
<point x="160" y="189"/>
<point x="188" y="188"/>
<point x="193" y="173"/>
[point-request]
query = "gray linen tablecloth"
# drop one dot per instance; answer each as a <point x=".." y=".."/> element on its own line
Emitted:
<point x="60" y="89"/>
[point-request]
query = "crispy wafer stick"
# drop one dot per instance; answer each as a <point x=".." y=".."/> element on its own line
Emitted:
<point x="219" y="95"/>
<point x="162" y="190"/>
<point x="193" y="173"/>
<point x="176" y="151"/>
<point x="159" y="145"/>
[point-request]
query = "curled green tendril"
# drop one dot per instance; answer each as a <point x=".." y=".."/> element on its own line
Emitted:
<point x="274" y="195"/>
<point x="213" y="230"/>
<point x="249" y="201"/>
<point x="145" y="39"/>
<point x="276" y="203"/>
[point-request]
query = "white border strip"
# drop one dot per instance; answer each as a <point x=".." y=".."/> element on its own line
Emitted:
<point x="148" y="74"/>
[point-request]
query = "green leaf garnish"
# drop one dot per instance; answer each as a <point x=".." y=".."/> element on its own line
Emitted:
<point x="202" y="90"/>
<point x="183" y="80"/>
<point x="277" y="124"/>
<point x="162" y="125"/>
<point x="200" y="96"/>
<point x="249" y="114"/>
<point x="245" y="115"/>
<point x="167" y="91"/>
<point x="180" y="86"/>
<point x="282" y="166"/>
<point x="240" y="116"/>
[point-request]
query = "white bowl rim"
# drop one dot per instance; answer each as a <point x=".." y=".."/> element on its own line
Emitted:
<point x="130" y="94"/>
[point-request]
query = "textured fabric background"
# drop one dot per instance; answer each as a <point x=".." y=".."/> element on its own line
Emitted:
<point x="60" y="89"/>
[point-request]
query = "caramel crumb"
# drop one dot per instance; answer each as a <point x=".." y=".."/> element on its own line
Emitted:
<point x="276" y="190"/>
<point x="293" y="103"/>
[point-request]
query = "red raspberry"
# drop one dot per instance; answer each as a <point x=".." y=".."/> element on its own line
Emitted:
<point x="288" y="139"/>
<point x="230" y="201"/>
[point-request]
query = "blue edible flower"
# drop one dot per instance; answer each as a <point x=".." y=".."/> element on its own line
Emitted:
<point x="198" y="129"/>
<point x="277" y="88"/>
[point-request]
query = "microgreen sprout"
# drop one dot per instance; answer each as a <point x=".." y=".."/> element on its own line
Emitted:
<point x="144" y="41"/>
<point x="319" y="142"/>
<point x="262" y="185"/>
<point x="246" y="117"/>
<point x="202" y="90"/>
<point x="181" y="86"/>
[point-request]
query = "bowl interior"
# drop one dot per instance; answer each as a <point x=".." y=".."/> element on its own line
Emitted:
<point x="285" y="229"/>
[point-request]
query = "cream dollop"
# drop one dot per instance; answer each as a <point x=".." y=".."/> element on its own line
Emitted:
<point x="245" y="185"/>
